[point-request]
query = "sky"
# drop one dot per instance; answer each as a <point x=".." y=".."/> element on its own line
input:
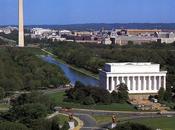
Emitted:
<point x="62" y="12"/>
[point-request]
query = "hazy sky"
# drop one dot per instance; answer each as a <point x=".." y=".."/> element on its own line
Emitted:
<point x="88" y="11"/>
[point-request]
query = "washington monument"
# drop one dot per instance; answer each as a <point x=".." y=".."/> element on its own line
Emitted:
<point x="21" y="24"/>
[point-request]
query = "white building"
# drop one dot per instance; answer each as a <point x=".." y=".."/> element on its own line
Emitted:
<point x="107" y="41"/>
<point x="65" y="32"/>
<point x="40" y="31"/>
<point x="140" y="78"/>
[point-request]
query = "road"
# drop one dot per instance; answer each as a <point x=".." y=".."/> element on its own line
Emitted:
<point x="128" y="113"/>
<point x="89" y="122"/>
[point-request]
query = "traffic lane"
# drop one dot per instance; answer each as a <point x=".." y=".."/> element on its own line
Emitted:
<point x="88" y="120"/>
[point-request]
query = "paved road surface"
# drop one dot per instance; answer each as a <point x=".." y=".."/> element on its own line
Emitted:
<point x="89" y="122"/>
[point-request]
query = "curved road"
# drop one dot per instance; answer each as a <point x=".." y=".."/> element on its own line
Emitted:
<point x="89" y="122"/>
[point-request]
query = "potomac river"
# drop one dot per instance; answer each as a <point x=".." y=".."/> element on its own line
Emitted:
<point x="72" y="74"/>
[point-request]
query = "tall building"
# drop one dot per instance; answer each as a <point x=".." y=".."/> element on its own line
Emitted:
<point x="21" y="24"/>
<point x="140" y="78"/>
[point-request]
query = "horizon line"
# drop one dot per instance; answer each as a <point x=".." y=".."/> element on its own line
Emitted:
<point x="89" y="23"/>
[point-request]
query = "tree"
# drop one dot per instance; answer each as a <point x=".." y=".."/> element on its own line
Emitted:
<point x="93" y="94"/>
<point x="79" y="84"/>
<point x="168" y="94"/>
<point x="34" y="97"/>
<point x="88" y="101"/>
<point x="161" y="94"/>
<point x="65" y="126"/>
<point x="28" y="112"/>
<point x="55" y="123"/>
<point x="114" y="96"/>
<point x="12" y="126"/>
<point x="44" y="124"/>
<point x="2" y="93"/>
<point x="122" y="93"/>
<point x="21" y="69"/>
<point x="41" y="124"/>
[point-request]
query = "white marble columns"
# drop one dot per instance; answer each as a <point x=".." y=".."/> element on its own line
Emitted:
<point x="137" y="84"/>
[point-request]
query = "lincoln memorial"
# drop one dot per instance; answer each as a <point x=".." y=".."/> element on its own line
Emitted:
<point x="140" y="78"/>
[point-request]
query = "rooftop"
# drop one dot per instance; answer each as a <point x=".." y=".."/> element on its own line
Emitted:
<point x="131" y="63"/>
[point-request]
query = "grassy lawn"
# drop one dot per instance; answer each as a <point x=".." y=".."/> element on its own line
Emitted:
<point x="163" y="123"/>
<point x="102" y="118"/>
<point x="59" y="96"/>
<point x="62" y="119"/>
<point x="4" y="107"/>
<point x="108" y="118"/>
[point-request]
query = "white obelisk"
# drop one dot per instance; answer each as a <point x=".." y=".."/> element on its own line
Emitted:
<point x="21" y="24"/>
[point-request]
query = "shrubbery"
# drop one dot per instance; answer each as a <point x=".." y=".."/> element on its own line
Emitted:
<point x="132" y="126"/>
<point x="12" y="126"/>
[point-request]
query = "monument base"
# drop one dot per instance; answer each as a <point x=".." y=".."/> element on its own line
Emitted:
<point x="113" y="125"/>
<point x="71" y="125"/>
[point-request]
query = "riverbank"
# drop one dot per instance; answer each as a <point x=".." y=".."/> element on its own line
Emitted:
<point x="81" y="70"/>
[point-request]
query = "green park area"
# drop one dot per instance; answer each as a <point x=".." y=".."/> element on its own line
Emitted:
<point x="164" y="123"/>
<point x="59" y="100"/>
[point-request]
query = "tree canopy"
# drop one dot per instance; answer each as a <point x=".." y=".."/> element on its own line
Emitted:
<point x="21" y="69"/>
<point x="89" y="95"/>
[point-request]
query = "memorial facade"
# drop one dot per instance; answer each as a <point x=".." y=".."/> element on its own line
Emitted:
<point x="140" y="78"/>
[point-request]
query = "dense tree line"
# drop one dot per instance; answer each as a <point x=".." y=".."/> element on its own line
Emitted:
<point x="79" y="55"/>
<point x="23" y="70"/>
<point x="30" y="111"/>
<point x="12" y="36"/>
<point x="88" y="95"/>
<point x="92" y="56"/>
<point x="6" y="125"/>
<point x="2" y="42"/>
<point x="29" y="107"/>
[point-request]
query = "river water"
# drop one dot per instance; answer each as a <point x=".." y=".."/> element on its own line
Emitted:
<point x="72" y="74"/>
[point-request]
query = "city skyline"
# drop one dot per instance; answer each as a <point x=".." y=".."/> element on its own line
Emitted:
<point x="64" y="12"/>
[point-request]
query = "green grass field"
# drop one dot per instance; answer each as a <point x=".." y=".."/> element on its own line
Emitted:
<point x="163" y="123"/>
<point x="59" y="96"/>
<point x="102" y="119"/>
